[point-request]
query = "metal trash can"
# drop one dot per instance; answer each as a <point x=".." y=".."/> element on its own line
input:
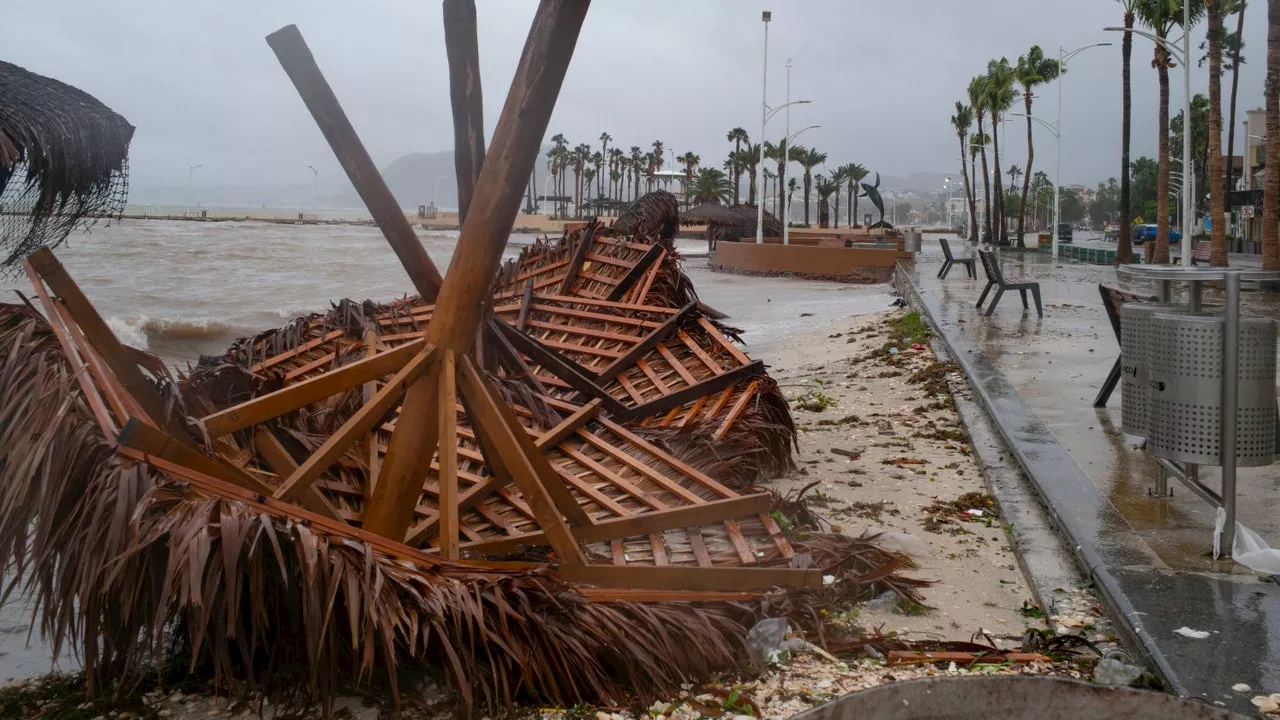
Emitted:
<point x="1137" y="348"/>
<point x="1184" y="408"/>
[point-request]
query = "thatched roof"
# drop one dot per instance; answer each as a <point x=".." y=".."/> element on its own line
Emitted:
<point x="63" y="159"/>
<point x="738" y="217"/>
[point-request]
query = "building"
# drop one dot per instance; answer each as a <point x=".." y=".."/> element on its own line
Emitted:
<point x="1255" y="149"/>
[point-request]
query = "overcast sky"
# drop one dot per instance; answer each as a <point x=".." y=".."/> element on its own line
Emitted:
<point x="202" y="87"/>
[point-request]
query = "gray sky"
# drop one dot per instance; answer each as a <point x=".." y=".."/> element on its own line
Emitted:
<point x="202" y="87"/>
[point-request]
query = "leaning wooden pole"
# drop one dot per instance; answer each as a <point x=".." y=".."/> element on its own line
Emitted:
<point x="463" y="49"/>
<point x="463" y="297"/>
<point x="296" y="59"/>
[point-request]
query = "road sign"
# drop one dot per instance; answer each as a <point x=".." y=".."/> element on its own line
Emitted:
<point x="1138" y="220"/>
<point x="1246" y="212"/>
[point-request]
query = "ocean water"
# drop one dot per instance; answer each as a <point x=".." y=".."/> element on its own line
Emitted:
<point x="182" y="289"/>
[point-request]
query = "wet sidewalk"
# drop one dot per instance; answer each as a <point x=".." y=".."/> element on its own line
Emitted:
<point x="1150" y="557"/>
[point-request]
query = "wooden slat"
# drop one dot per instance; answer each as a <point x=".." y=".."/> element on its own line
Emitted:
<point x="643" y="468"/>
<point x="642" y="348"/>
<point x="145" y="438"/>
<point x="587" y="349"/>
<point x="675" y="577"/>
<point x="642" y="290"/>
<point x="699" y="477"/>
<point x="616" y="480"/>
<point x="675" y="364"/>
<point x="448" y="445"/>
<point x="313" y="365"/>
<point x="310" y="391"/>
<point x="775" y="532"/>
<point x="698" y="545"/>
<point x="706" y="359"/>
<point x="627" y="281"/>
<point x="563" y="368"/>
<point x="273" y="452"/>
<point x="361" y="422"/>
<point x="637" y="524"/>
<point x="579" y="256"/>
<point x="524" y="306"/>
<point x="289" y="354"/>
<point x="557" y="434"/>
<point x="738" y="407"/>
<point x="725" y="342"/>
<point x="631" y="389"/>
<point x="629" y="307"/>
<point x="659" y="550"/>
<point x="690" y="393"/>
<point x="740" y="543"/>
<point x="585" y="331"/>
<point x="653" y="376"/>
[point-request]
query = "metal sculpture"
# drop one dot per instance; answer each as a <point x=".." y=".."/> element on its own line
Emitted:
<point x="872" y="193"/>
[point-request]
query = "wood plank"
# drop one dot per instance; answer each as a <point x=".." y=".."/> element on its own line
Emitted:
<point x="649" y="342"/>
<point x="629" y="595"/>
<point x="295" y="352"/>
<point x="586" y="349"/>
<point x="674" y="577"/>
<point x="590" y="491"/>
<point x="699" y="546"/>
<point x="643" y="468"/>
<point x="609" y="260"/>
<point x="642" y="290"/>
<point x="584" y="331"/>
<point x="600" y="317"/>
<point x="740" y="543"/>
<point x="690" y="393"/>
<point x="546" y="494"/>
<point x="775" y="532"/>
<point x="706" y="359"/>
<point x="296" y="59"/>
<point x="463" y="50"/>
<point x="277" y="457"/>
<point x="312" y="365"/>
<point x="628" y="307"/>
<point x="659" y="550"/>
<point x="310" y="391"/>
<point x="562" y="367"/>
<point x="99" y="336"/>
<point x="632" y="390"/>
<point x="676" y="365"/>
<point x="653" y="376"/>
<point x="523" y="319"/>
<point x="447" y="401"/>
<point x="619" y="291"/>
<point x="737" y="409"/>
<point x="725" y="342"/>
<point x="569" y="425"/>
<point x="356" y="426"/>
<point x="698" y="476"/>
<point x="518" y="366"/>
<point x="720" y="402"/>
<point x="617" y="552"/>
<point x="616" y="480"/>
<point x="146" y="438"/>
<point x="579" y="256"/>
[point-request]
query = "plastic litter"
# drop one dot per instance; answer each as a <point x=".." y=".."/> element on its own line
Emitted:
<point x="887" y="601"/>
<point x="767" y="640"/>
<point x="1111" y="671"/>
<point x="1248" y="548"/>
<point x="1193" y="634"/>
<point x="897" y="541"/>
<point x="893" y="351"/>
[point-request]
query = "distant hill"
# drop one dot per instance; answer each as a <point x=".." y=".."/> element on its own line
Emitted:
<point x="412" y="179"/>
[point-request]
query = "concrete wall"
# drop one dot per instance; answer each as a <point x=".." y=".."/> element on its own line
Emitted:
<point x="835" y="263"/>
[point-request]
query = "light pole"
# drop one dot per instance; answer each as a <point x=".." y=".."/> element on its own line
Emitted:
<point x="1057" y="180"/>
<point x="786" y="211"/>
<point x="760" y="168"/>
<point x="190" y="172"/>
<point x="786" y="162"/>
<point x="315" y="200"/>
<point x="1186" y="103"/>
<point x="442" y="177"/>
<point x="544" y="192"/>
<point x="765" y="16"/>
<point x="947" y="181"/>
<point x="1063" y="58"/>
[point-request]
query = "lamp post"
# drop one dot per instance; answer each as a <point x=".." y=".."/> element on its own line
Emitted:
<point x="765" y="16"/>
<point x="1186" y="103"/>
<point x="786" y="225"/>
<point x="947" y="181"/>
<point x="315" y="199"/>
<point x="786" y="162"/>
<point x="438" y="179"/>
<point x="544" y="192"/>
<point x="190" y="172"/>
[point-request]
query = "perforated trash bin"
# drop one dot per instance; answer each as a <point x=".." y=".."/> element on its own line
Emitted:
<point x="1185" y="403"/>
<point x="1136" y="349"/>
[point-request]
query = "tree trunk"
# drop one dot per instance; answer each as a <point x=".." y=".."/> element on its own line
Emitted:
<point x="1124" y="241"/>
<point x="1271" y="181"/>
<point x="1161" y="256"/>
<point x="986" y="187"/>
<point x="1228" y="180"/>
<point x="835" y="208"/>
<point x="1000" y="237"/>
<point x="808" y="179"/>
<point x="1026" y="177"/>
<point x="751" y="188"/>
<point x="1217" y="205"/>
<point x="968" y="191"/>
<point x="849" y="201"/>
<point x="855" y="210"/>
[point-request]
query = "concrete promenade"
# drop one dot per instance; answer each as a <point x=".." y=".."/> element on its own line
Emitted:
<point x="1149" y="557"/>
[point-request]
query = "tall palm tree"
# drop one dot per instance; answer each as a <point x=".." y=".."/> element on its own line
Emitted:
<point x="1033" y="69"/>
<point x="978" y="101"/>
<point x="826" y="187"/>
<point x="976" y="142"/>
<point x="1124" y="243"/>
<point x="962" y="121"/>
<point x="637" y="162"/>
<point x="792" y="185"/>
<point x="656" y="161"/>
<point x="690" y="161"/>
<point x="615" y="173"/>
<point x="751" y="163"/>
<point x="838" y="176"/>
<point x="809" y="159"/>
<point x="588" y="175"/>
<point x="709" y="186"/>
<point x="737" y="136"/>
<point x="1217" y="196"/>
<point x="580" y="157"/>
<point x="1000" y="97"/>
<point x="764" y="191"/>
<point x="1162" y="16"/>
<point x="1271" y="181"/>
<point x="597" y="165"/>
<point x="856" y="174"/>
<point x="778" y="153"/>
<point x="1236" y="43"/>
<point x="1014" y="173"/>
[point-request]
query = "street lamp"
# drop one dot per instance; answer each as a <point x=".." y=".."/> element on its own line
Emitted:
<point x="315" y="200"/>
<point x="544" y="192"/>
<point x="438" y="179"/>
<point x="1181" y="57"/>
<point x="765" y="16"/>
<point x="191" y="171"/>
<point x="947" y="181"/>
<point x="786" y="225"/>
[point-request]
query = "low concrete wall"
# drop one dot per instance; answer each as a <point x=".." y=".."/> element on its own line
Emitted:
<point x="859" y="265"/>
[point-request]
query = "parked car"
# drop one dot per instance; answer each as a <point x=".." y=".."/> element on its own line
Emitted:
<point x="1064" y="232"/>
<point x="1145" y="232"/>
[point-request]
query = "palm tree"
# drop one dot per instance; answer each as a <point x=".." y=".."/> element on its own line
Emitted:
<point x="1124" y="244"/>
<point x="1033" y="69"/>
<point x="580" y="157"/>
<point x="710" y="186"/>
<point x="792" y="186"/>
<point x="962" y="121"/>
<point x="838" y="176"/>
<point x="605" y="139"/>
<point x="857" y="174"/>
<point x="751" y="162"/>
<point x="615" y="173"/>
<point x="826" y="187"/>
<point x="690" y="161"/>
<point x="655" y="161"/>
<point x="637" y="162"/>
<point x="1271" y="181"/>
<point x="1217" y="191"/>
<point x="808" y="159"/>
<point x="588" y="175"/>
<point x="978" y="101"/>
<point x="737" y="136"/>
<point x="778" y="153"/>
<point x="597" y="164"/>
<point x="768" y="175"/>
<point x="1014" y="173"/>
<point x="1162" y="16"/>
<point x="1000" y="97"/>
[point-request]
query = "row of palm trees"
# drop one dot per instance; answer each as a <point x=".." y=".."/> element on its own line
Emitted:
<point x="991" y="95"/>
<point x="585" y="175"/>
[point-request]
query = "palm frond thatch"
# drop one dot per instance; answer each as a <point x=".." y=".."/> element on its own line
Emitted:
<point x="657" y="213"/>
<point x="63" y="161"/>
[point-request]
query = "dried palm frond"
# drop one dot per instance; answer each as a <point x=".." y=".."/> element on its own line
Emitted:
<point x="656" y="213"/>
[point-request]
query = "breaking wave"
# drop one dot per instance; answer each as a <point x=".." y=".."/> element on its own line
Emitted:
<point x="141" y="331"/>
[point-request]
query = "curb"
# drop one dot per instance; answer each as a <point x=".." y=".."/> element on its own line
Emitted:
<point x="1126" y="617"/>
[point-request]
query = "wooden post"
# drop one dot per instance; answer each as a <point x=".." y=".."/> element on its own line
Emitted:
<point x="296" y="59"/>
<point x="447" y="402"/>
<point x="464" y="294"/>
<point x="464" y="91"/>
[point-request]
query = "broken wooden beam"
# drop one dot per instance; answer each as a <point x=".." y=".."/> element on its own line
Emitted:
<point x="463" y="51"/>
<point x="642" y="348"/>
<point x="620" y="290"/>
<point x="689" y="393"/>
<point x="585" y="239"/>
